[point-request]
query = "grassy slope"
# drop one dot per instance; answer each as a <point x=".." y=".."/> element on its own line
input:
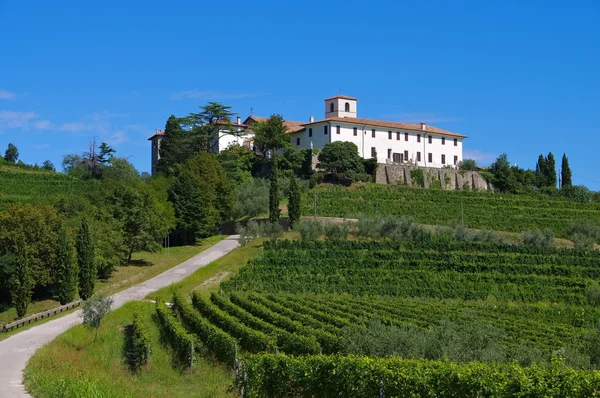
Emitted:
<point x="99" y="366"/>
<point x="73" y="365"/>
<point x="151" y="264"/>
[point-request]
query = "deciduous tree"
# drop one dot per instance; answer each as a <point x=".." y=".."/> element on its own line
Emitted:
<point x="340" y="159"/>
<point x="202" y="196"/>
<point x="270" y="135"/>
<point x="11" y="154"/>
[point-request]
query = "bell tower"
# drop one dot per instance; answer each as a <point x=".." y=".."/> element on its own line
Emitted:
<point x="340" y="106"/>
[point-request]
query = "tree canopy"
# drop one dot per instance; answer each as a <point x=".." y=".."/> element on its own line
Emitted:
<point x="270" y="135"/>
<point x="11" y="154"/>
<point x="202" y="196"/>
<point x="341" y="160"/>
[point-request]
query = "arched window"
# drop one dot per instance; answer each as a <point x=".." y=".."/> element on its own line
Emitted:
<point x="347" y="107"/>
<point x="331" y="107"/>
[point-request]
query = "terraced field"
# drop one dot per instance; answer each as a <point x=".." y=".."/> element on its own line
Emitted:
<point x="497" y="211"/>
<point x="25" y="186"/>
<point x="296" y="309"/>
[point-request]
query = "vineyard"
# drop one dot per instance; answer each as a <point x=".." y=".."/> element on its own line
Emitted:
<point x="284" y="336"/>
<point x="26" y="186"/>
<point x="497" y="211"/>
<point x="455" y="270"/>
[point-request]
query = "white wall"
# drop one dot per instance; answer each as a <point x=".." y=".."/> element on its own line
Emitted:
<point x="364" y="141"/>
<point x="318" y="139"/>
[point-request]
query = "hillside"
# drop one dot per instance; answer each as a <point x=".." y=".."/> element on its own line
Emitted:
<point x="491" y="210"/>
<point x="27" y="186"/>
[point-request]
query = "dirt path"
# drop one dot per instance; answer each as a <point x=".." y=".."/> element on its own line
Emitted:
<point x="16" y="350"/>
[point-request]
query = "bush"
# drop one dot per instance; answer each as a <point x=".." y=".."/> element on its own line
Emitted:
<point x="538" y="238"/>
<point x="310" y="229"/>
<point x="247" y="233"/>
<point x="583" y="234"/>
<point x="403" y="228"/>
<point x="467" y="165"/>
<point x="273" y="230"/>
<point x="315" y="179"/>
<point x="368" y="227"/>
<point x="593" y="294"/>
<point x="417" y="177"/>
<point x="462" y="234"/>
<point x="337" y="231"/>
<point x="94" y="310"/>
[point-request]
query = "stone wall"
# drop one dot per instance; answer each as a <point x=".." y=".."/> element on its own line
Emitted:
<point x="444" y="178"/>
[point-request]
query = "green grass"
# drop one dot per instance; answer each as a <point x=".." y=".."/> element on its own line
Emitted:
<point x="74" y="365"/>
<point x="123" y="278"/>
<point x="207" y="279"/>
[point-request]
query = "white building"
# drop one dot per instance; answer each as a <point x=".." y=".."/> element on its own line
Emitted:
<point x="391" y="142"/>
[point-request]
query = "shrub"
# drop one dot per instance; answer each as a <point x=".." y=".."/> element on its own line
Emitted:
<point x="403" y="228"/>
<point x="593" y="294"/>
<point x="273" y="230"/>
<point x="538" y="238"/>
<point x="310" y="229"/>
<point x="368" y="227"/>
<point x="583" y="234"/>
<point x="94" y="310"/>
<point x="315" y="179"/>
<point x="417" y="177"/>
<point x="462" y="234"/>
<point x="247" y="233"/>
<point x="337" y="231"/>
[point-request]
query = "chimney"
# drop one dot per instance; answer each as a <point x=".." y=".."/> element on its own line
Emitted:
<point x="423" y="126"/>
<point x="157" y="131"/>
<point x="239" y="120"/>
<point x="311" y="119"/>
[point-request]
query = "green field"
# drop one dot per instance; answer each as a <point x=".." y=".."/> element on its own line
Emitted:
<point x="492" y="210"/>
<point x="27" y="186"/>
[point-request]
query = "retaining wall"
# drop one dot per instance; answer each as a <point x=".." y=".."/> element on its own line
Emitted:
<point x="446" y="178"/>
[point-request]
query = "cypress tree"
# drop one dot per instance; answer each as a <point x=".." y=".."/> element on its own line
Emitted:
<point x="294" y="202"/>
<point x="66" y="268"/>
<point x="274" y="199"/>
<point x="174" y="146"/>
<point x="22" y="281"/>
<point x="565" y="172"/>
<point x="85" y="261"/>
<point x="551" y="177"/>
<point x="540" y="172"/>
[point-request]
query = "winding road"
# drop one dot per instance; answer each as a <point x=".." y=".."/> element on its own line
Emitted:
<point x="16" y="350"/>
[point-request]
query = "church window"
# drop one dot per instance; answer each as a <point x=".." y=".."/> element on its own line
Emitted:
<point x="310" y="132"/>
<point x="331" y="107"/>
<point x="373" y="133"/>
<point x="347" y="107"/>
<point x="355" y="131"/>
<point x="325" y="130"/>
<point x="298" y="141"/>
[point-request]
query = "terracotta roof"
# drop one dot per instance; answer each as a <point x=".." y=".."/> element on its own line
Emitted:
<point x="342" y="97"/>
<point x="392" y="125"/>
<point x="293" y="127"/>
<point x="232" y="123"/>
<point x="159" y="133"/>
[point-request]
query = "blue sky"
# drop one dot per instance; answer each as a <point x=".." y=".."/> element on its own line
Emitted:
<point x="521" y="77"/>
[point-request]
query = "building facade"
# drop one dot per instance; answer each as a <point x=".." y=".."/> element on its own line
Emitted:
<point x="390" y="142"/>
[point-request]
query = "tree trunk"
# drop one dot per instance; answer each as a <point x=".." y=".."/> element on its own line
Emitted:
<point x="130" y="254"/>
